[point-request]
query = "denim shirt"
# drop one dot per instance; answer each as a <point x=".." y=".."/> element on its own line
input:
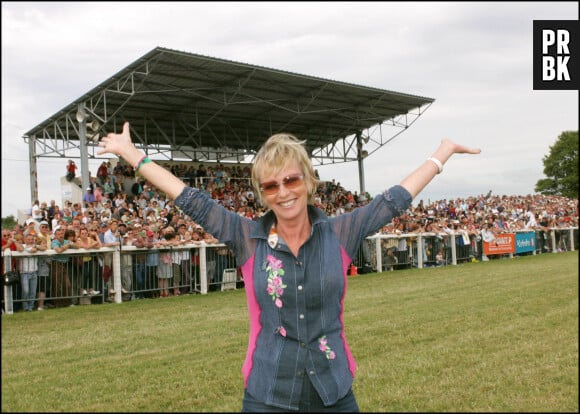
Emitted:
<point x="295" y="303"/>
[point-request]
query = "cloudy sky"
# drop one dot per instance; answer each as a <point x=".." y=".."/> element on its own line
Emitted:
<point x="474" y="59"/>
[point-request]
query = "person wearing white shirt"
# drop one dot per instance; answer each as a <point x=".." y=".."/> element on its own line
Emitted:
<point x="36" y="211"/>
<point x="28" y="267"/>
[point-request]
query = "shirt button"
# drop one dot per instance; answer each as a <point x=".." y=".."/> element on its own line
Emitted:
<point x="299" y="373"/>
<point x="301" y="316"/>
<point x="299" y="287"/>
<point x="311" y="372"/>
<point x="302" y="344"/>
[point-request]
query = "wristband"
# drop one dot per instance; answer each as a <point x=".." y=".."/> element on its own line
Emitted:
<point x="437" y="163"/>
<point x="144" y="160"/>
<point x="136" y="166"/>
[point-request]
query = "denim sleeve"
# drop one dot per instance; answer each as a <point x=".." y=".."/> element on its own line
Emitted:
<point x="226" y="226"/>
<point x="353" y="227"/>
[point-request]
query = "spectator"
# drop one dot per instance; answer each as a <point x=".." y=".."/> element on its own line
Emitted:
<point x="440" y="258"/>
<point x="137" y="237"/>
<point x="9" y="242"/>
<point x="36" y="211"/>
<point x="89" y="197"/>
<point x="488" y="236"/>
<point x="126" y="259"/>
<point x="530" y="218"/>
<point x="28" y="271"/>
<point x="390" y="260"/>
<point x="185" y="238"/>
<point x="152" y="263"/>
<point x="44" y="242"/>
<point x="111" y="238"/>
<point x="89" y="267"/>
<point x="165" y="267"/>
<point x="30" y="227"/>
<point x="71" y="169"/>
<point x="61" y="284"/>
<point x="74" y="264"/>
<point x="102" y="172"/>
<point x="67" y="215"/>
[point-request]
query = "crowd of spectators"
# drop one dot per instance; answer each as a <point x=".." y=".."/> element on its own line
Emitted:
<point x="116" y="193"/>
<point x="119" y="202"/>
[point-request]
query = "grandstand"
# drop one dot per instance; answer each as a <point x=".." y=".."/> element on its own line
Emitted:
<point x="193" y="107"/>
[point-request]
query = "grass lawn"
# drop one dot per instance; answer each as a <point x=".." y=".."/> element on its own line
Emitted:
<point x="499" y="336"/>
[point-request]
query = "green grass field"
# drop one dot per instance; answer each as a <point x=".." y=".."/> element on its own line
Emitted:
<point x="499" y="336"/>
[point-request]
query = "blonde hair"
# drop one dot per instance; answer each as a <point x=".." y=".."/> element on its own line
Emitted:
<point x="276" y="153"/>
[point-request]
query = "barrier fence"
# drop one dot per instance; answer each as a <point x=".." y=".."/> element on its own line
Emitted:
<point x="113" y="274"/>
<point x="382" y="252"/>
<point x="122" y="274"/>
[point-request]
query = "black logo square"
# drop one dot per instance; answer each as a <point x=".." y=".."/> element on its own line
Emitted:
<point x="556" y="54"/>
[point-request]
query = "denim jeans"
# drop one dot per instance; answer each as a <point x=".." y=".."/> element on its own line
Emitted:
<point x="29" y="282"/>
<point x="310" y="402"/>
<point x="140" y="278"/>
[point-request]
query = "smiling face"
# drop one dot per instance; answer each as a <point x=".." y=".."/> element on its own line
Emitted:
<point x="282" y="156"/>
<point x="287" y="201"/>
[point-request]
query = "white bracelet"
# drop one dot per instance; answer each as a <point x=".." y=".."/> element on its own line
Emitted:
<point x="437" y="163"/>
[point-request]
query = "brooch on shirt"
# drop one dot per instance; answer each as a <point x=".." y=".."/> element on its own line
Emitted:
<point x="273" y="237"/>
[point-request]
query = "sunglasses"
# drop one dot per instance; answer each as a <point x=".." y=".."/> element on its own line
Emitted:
<point x="290" y="182"/>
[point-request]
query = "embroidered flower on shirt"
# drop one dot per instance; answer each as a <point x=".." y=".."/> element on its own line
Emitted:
<point x="275" y="285"/>
<point x="325" y="348"/>
<point x="281" y="330"/>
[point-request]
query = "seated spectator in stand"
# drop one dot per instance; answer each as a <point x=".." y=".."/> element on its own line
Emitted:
<point x="109" y="188"/>
<point x="88" y="197"/>
<point x="102" y="172"/>
<point x="67" y="215"/>
<point x="98" y="193"/>
<point x="531" y="218"/>
<point x="71" y="169"/>
<point x="56" y="219"/>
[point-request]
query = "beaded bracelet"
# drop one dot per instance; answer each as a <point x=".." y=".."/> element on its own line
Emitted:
<point x="142" y="161"/>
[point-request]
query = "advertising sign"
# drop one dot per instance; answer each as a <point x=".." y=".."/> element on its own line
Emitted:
<point x="525" y="242"/>
<point x="504" y="243"/>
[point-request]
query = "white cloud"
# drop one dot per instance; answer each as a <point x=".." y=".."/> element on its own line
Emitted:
<point x="474" y="58"/>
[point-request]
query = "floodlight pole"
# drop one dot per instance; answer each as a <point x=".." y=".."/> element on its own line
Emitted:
<point x="82" y="119"/>
<point x="359" y="158"/>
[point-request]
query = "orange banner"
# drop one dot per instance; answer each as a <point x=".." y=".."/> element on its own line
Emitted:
<point x="503" y="243"/>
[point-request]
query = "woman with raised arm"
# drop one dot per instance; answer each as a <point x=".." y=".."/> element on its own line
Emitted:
<point x="294" y="262"/>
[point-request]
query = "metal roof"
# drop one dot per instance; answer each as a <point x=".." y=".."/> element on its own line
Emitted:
<point x="186" y="106"/>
